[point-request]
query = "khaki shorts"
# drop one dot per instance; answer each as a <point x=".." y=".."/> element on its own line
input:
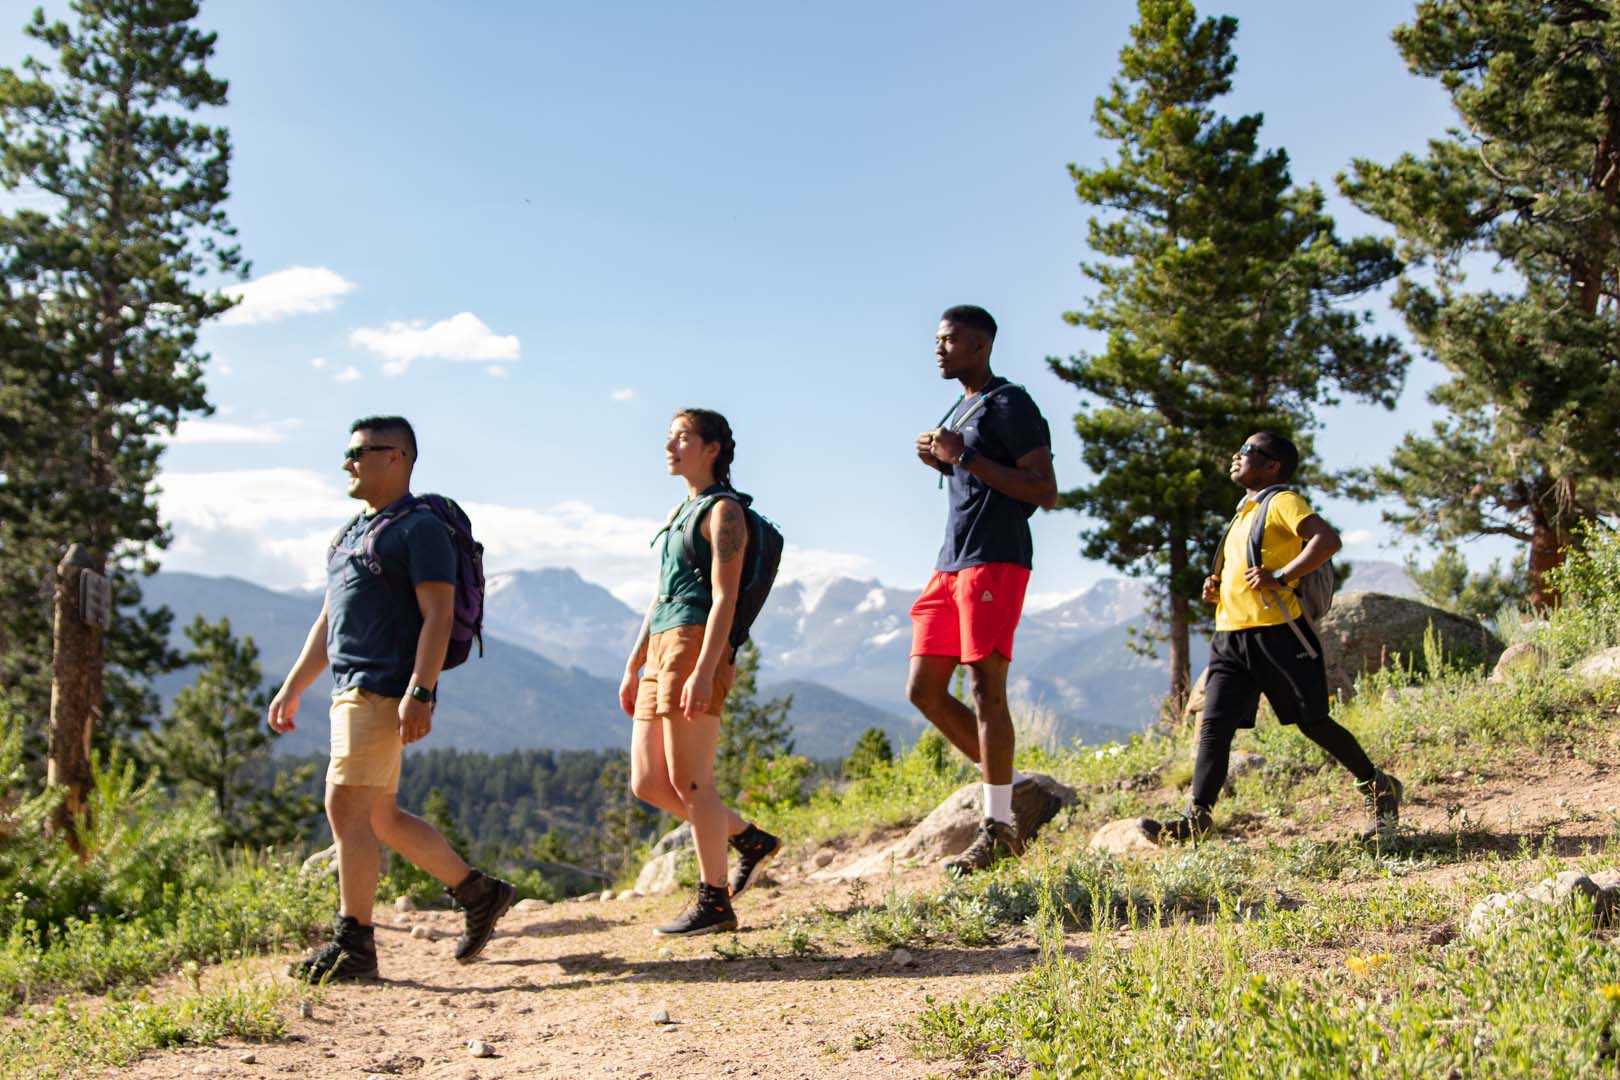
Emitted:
<point x="672" y="656"/>
<point x="366" y="748"/>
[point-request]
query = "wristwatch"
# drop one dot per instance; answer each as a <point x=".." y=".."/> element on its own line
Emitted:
<point x="423" y="694"/>
<point x="968" y="454"/>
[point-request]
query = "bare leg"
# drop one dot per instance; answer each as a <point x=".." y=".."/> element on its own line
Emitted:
<point x="929" y="688"/>
<point x="649" y="775"/>
<point x="689" y="749"/>
<point x="419" y="842"/>
<point x="348" y="808"/>
<point x="995" y="727"/>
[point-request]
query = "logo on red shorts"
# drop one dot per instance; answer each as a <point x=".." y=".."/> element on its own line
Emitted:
<point x="986" y="598"/>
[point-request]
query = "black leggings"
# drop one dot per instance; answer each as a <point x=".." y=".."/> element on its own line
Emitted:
<point x="1215" y="751"/>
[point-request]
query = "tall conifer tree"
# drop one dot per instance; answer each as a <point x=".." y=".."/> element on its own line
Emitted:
<point x="1218" y="293"/>
<point x="104" y="298"/>
<point x="1530" y="180"/>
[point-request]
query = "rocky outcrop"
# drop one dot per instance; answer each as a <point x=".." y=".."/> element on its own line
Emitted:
<point x="1599" y="666"/>
<point x="1364" y="631"/>
<point x="1520" y="658"/>
<point x="1124" y="839"/>
<point x="1500" y="910"/>
<point x="949" y="828"/>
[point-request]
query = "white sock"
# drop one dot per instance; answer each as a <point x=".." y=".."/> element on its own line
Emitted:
<point x="1018" y="777"/>
<point x="998" y="802"/>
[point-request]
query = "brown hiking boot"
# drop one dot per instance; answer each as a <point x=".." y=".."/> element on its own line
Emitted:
<point x="995" y="840"/>
<point x="482" y="900"/>
<point x="351" y="956"/>
<point x="1034" y="804"/>
<point x="1193" y="823"/>
<point x="1382" y="797"/>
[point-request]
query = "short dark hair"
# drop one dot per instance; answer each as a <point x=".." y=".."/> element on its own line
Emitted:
<point x="397" y="426"/>
<point x="971" y="315"/>
<point x="1280" y="450"/>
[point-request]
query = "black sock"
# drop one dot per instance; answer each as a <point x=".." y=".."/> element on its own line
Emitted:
<point x="1342" y="746"/>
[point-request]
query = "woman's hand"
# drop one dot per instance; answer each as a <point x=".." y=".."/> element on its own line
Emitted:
<point x="627" y="692"/>
<point x="696" y="692"/>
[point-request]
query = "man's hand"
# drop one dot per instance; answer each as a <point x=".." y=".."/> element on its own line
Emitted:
<point x="283" y="707"/>
<point x="925" y="449"/>
<point x="1212" y="589"/>
<point x="1258" y="577"/>
<point x="947" y="446"/>
<point x="627" y="692"/>
<point x="415" y="719"/>
<point x="695" y="694"/>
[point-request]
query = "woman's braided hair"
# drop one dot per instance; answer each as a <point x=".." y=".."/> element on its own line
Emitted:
<point x="712" y="428"/>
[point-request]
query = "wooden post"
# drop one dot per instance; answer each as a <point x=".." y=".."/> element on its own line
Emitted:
<point x="78" y="654"/>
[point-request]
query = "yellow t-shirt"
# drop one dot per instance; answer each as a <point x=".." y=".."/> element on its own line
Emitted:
<point x="1240" y="607"/>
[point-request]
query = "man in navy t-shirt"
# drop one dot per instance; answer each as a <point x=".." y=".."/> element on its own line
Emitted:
<point x="995" y="451"/>
<point x="384" y="628"/>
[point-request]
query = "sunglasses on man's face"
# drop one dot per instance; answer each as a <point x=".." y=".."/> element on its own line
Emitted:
<point x="354" y="453"/>
<point x="1251" y="450"/>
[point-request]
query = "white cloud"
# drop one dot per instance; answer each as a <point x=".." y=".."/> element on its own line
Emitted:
<point x="623" y="395"/>
<point x="297" y="290"/>
<point x="348" y="374"/>
<point x="1359" y="537"/>
<point x="462" y="338"/>
<point x="317" y="362"/>
<point x="191" y="432"/>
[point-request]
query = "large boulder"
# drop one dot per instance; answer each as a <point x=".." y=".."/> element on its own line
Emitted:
<point x="1600" y="666"/>
<point x="1364" y="631"/>
<point x="949" y="828"/>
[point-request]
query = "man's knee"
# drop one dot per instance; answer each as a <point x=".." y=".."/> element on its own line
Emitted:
<point x="987" y="681"/>
<point x="925" y="688"/>
<point x="348" y="810"/>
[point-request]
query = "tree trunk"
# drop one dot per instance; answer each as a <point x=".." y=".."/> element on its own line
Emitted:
<point x="76" y="691"/>
<point x="1550" y="535"/>
<point x="1180" y="664"/>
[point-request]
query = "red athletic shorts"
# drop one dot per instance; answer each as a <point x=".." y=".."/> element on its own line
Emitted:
<point x="969" y="614"/>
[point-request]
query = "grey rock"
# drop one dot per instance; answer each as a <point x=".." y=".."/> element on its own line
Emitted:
<point x="823" y="857"/>
<point x="1364" y="631"/>
<point x="1241" y="763"/>
<point x="247" y="1057"/>
<point x="404" y="903"/>
<point x="660" y="1015"/>
<point x="306" y="1009"/>
<point x="658" y="874"/>
<point x="1125" y="839"/>
<point x="902" y="958"/>
<point x="630" y="894"/>
<point x="606" y="894"/>
<point x="480" y="1049"/>
<point x="426" y="933"/>
<point x="676" y="839"/>
<point x="529" y="904"/>
<point x="1519" y="658"/>
<point x="1600" y="666"/>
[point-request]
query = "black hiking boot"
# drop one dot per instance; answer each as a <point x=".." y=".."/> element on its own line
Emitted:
<point x="351" y="956"/>
<point x="995" y="840"/>
<point x="1193" y="823"/>
<point x="484" y="900"/>
<point x="1382" y="797"/>
<point x="710" y="913"/>
<point x="755" y="847"/>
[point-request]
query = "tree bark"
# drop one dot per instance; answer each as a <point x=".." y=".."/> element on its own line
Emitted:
<point x="1180" y="623"/>
<point x="77" y="657"/>
<point x="1550" y="536"/>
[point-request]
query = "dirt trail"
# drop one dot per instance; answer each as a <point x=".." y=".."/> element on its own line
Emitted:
<point x="572" y="990"/>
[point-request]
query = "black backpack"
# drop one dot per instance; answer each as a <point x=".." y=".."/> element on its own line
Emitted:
<point x="763" y="559"/>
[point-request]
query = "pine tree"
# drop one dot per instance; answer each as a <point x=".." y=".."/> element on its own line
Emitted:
<point x="751" y="731"/>
<point x="624" y="820"/>
<point x="1448" y="583"/>
<point x="871" y="749"/>
<point x="1217" y="292"/>
<point x="215" y="742"/>
<point x="104" y="298"/>
<point x="1530" y="181"/>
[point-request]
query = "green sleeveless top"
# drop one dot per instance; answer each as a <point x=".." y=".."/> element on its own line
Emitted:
<point x="684" y="597"/>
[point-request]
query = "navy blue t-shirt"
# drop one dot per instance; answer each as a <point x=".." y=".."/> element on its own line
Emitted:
<point x="372" y="620"/>
<point x="983" y="525"/>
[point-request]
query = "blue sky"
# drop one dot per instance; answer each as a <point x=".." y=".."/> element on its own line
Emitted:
<point x="537" y="229"/>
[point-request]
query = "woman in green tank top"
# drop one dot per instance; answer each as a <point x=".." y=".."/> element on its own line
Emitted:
<point x="681" y="669"/>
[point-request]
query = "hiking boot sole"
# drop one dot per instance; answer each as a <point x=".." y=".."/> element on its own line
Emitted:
<point x="724" y="927"/>
<point x="759" y="864"/>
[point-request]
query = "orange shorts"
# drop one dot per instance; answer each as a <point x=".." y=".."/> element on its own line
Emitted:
<point x="672" y="656"/>
<point x="969" y="614"/>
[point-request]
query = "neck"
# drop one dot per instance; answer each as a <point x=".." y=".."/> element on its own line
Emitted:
<point x="382" y="501"/>
<point x="975" y="381"/>
<point x="698" y="484"/>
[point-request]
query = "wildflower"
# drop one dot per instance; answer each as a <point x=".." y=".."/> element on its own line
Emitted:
<point x="1610" y="991"/>
<point x="1366" y="965"/>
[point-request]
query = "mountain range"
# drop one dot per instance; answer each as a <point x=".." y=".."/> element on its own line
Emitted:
<point x="555" y="646"/>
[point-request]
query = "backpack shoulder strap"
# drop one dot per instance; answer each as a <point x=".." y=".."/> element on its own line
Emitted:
<point x="694" y="522"/>
<point x="343" y="530"/>
<point x="1257" y="531"/>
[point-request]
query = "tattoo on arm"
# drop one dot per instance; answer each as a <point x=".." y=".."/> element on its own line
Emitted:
<point x="729" y="537"/>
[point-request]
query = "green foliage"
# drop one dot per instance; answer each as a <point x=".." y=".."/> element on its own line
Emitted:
<point x="405" y="878"/>
<point x="1217" y="287"/>
<point x="1589" y="581"/>
<point x="216" y="744"/>
<point x="625" y="820"/>
<point x="1447" y="583"/>
<point x="1525" y="182"/>
<point x="102" y="298"/>
<point x="751" y="731"/>
<point x="775" y="784"/>
<point x="871" y="749"/>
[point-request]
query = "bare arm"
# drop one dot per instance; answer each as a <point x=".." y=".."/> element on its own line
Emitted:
<point x="632" y="666"/>
<point x="1030" y="479"/>
<point x="310" y="663"/>
<point x="726" y="529"/>
<point x="437" y="602"/>
<point x="1321" y="544"/>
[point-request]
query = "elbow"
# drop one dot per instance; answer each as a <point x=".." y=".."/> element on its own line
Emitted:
<point x="1049" y="497"/>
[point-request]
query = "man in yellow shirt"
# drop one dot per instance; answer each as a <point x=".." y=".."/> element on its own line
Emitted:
<point x="1255" y="651"/>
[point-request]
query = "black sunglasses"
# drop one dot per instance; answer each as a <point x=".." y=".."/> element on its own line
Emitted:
<point x="353" y="453"/>
<point x="1249" y="448"/>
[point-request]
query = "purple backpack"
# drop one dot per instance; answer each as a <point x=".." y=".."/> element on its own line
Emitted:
<point x="469" y="609"/>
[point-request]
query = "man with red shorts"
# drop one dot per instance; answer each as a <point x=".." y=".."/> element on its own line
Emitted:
<point x="995" y="451"/>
